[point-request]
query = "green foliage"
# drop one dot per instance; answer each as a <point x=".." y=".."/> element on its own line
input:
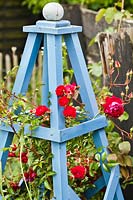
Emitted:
<point x="36" y="6"/>
<point x="95" y="69"/>
<point x="112" y="14"/>
<point x="39" y="156"/>
<point x="125" y="116"/>
<point x="119" y="147"/>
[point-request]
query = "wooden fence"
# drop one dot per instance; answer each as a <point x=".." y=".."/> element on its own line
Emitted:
<point x="8" y="61"/>
<point x="13" y="16"/>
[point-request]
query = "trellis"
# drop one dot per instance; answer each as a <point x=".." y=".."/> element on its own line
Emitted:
<point x="51" y="33"/>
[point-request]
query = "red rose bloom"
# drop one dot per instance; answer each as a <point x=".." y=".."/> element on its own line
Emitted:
<point x="14" y="186"/>
<point x="23" y="154"/>
<point x="113" y="107"/>
<point x="70" y="89"/>
<point x="63" y="101"/>
<point x="78" y="171"/>
<point x="26" y="176"/>
<point x="69" y="111"/>
<point x="14" y="147"/>
<point x="24" y="158"/>
<point x="41" y="110"/>
<point x="60" y="90"/>
<point x="30" y="175"/>
<point x="11" y="154"/>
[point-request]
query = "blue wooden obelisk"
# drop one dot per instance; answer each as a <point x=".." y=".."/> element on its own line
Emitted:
<point x="51" y="33"/>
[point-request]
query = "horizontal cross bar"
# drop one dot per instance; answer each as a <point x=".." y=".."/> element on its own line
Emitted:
<point x="99" y="184"/>
<point x="62" y="135"/>
<point x="54" y="31"/>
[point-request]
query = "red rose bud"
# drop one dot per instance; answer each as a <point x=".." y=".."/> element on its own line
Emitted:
<point x="33" y="111"/>
<point x="11" y="154"/>
<point x="23" y="154"/>
<point x="14" y="147"/>
<point x="30" y="175"/>
<point x="68" y="153"/>
<point x="63" y="101"/>
<point x="60" y="90"/>
<point x="41" y="110"/>
<point x="26" y="176"/>
<point x="14" y="186"/>
<point x="24" y="158"/>
<point x="117" y="64"/>
<point x="78" y="172"/>
<point x="113" y="107"/>
<point x="69" y="111"/>
<point x="130" y="96"/>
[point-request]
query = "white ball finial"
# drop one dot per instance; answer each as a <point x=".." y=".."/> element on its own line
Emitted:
<point x="53" y="11"/>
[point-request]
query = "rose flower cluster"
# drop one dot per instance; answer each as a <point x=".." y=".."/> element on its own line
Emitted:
<point x="29" y="175"/>
<point x="66" y="94"/>
<point x="43" y="112"/>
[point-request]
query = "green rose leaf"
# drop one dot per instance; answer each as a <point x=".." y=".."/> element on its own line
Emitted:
<point x="110" y="14"/>
<point x="95" y="69"/>
<point x="47" y="185"/>
<point x="112" y="164"/>
<point x="104" y="156"/>
<point x="51" y="173"/>
<point x="97" y="157"/>
<point x="105" y="167"/>
<point x="100" y="14"/>
<point x="124" y="116"/>
<point x="128" y="161"/>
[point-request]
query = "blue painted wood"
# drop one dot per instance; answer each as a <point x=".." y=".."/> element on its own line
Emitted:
<point x="81" y="73"/>
<point x="83" y="128"/>
<point x="27" y="63"/>
<point x="72" y="194"/>
<point x="53" y="24"/>
<point x="60" y="180"/>
<point x="45" y="82"/>
<point x="6" y="128"/>
<point x="112" y="184"/>
<point x="56" y="135"/>
<point x="54" y="31"/>
<point x="100" y="140"/>
<point x="99" y="184"/>
<point x="119" y="194"/>
<point x="5" y="141"/>
<point x="51" y="134"/>
<point x="55" y="73"/>
<point x="111" y="187"/>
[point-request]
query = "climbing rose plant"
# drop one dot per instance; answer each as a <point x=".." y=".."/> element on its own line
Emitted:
<point x="29" y="167"/>
<point x="29" y="159"/>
